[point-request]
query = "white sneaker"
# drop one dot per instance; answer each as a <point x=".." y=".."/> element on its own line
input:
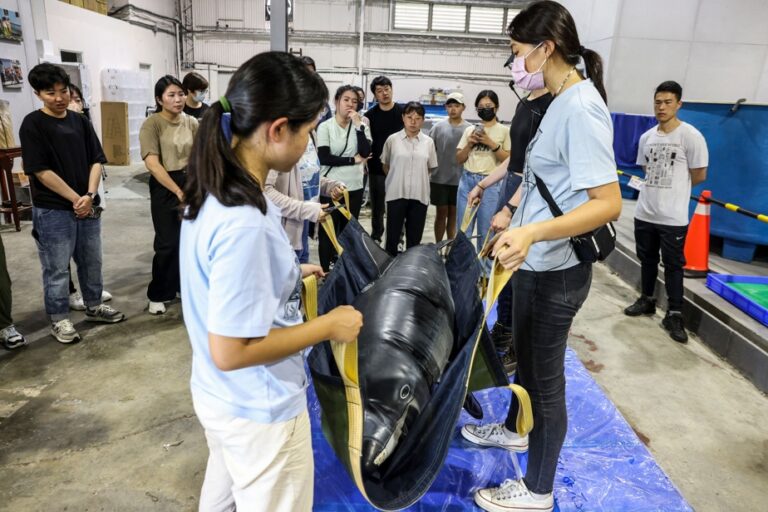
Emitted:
<point x="514" y="496"/>
<point x="64" y="331"/>
<point x="156" y="308"/>
<point x="76" y="302"/>
<point x="105" y="296"/>
<point x="10" y="338"/>
<point x="493" y="434"/>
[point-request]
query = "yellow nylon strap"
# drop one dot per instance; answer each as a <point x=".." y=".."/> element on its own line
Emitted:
<point x="344" y="210"/>
<point x="469" y="214"/>
<point x="482" y="252"/>
<point x="309" y="296"/>
<point x="330" y="230"/>
<point x="497" y="280"/>
<point x="345" y="355"/>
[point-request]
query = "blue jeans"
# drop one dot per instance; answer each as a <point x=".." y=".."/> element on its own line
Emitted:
<point x="544" y="305"/>
<point x="487" y="206"/>
<point x="60" y="236"/>
<point x="303" y="253"/>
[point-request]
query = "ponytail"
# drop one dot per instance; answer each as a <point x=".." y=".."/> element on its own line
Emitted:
<point x="548" y="20"/>
<point x="266" y="87"/>
<point x="594" y="68"/>
<point x="214" y="169"/>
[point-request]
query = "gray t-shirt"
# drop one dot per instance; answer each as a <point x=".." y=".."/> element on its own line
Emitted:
<point x="447" y="137"/>
<point x="571" y="152"/>
<point x="667" y="159"/>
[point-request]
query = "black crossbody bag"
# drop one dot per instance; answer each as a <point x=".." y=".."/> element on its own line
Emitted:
<point x="589" y="247"/>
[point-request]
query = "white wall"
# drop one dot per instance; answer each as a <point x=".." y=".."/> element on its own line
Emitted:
<point x="22" y="101"/>
<point x="716" y="49"/>
<point x="108" y="43"/>
<point x="161" y="7"/>
<point x="336" y="49"/>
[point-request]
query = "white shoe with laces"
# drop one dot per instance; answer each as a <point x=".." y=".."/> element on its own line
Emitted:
<point x="105" y="296"/>
<point x="513" y="496"/>
<point x="64" y="331"/>
<point x="493" y="434"/>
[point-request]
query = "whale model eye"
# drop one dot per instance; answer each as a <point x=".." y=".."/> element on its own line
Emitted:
<point x="405" y="392"/>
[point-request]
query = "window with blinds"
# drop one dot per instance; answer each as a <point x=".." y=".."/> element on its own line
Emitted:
<point x="459" y="18"/>
<point x="449" y="18"/>
<point x="412" y="15"/>
<point x="486" y="20"/>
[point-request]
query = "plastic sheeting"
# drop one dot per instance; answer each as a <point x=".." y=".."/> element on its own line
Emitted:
<point x="603" y="465"/>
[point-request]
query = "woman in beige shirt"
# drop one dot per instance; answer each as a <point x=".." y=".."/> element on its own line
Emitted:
<point x="166" y="144"/>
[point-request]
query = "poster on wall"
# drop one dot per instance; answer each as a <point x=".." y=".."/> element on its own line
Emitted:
<point x="11" y="74"/>
<point x="10" y="25"/>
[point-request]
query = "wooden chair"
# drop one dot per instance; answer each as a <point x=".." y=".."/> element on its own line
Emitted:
<point x="10" y="207"/>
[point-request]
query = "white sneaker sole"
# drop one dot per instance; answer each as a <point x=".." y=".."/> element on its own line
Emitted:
<point x="488" y="505"/>
<point x="472" y="438"/>
<point x="66" y="341"/>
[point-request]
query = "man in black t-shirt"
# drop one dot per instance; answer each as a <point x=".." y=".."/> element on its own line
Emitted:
<point x="196" y="88"/>
<point x="386" y="118"/>
<point x="63" y="159"/>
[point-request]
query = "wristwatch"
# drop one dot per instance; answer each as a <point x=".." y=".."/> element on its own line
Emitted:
<point x="512" y="209"/>
<point x="90" y="194"/>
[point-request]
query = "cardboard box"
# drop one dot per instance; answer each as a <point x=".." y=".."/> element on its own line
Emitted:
<point x="20" y="179"/>
<point x="114" y="132"/>
<point x="99" y="6"/>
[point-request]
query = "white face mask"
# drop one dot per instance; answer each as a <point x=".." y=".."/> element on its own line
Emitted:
<point x="200" y="96"/>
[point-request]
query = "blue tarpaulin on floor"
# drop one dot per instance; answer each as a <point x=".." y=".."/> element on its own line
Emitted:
<point x="603" y="464"/>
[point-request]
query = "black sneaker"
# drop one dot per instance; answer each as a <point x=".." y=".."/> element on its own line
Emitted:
<point x="501" y="335"/>
<point x="673" y="323"/>
<point x="509" y="360"/>
<point x="104" y="314"/>
<point x="642" y="306"/>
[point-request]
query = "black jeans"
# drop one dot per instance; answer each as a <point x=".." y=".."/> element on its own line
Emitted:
<point x="376" y="195"/>
<point x="649" y="238"/>
<point x="409" y="213"/>
<point x="325" y="248"/>
<point x="544" y="304"/>
<point x="166" y="218"/>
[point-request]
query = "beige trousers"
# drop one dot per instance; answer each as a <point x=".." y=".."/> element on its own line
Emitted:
<point x="256" y="467"/>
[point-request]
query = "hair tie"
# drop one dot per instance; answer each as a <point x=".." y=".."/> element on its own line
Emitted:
<point x="582" y="50"/>
<point x="225" y="104"/>
<point x="226" y="126"/>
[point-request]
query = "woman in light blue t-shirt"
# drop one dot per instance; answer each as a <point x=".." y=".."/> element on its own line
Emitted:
<point x="572" y="155"/>
<point x="240" y="286"/>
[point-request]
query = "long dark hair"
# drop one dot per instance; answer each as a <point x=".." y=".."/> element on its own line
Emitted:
<point x="266" y="87"/>
<point x="548" y="20"/>
<point x="160" y="87"/>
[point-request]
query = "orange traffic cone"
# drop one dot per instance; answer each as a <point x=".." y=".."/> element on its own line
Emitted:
<point x="697" y="240"/>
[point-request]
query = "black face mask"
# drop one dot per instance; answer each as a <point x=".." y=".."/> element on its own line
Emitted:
<point x="486" y="114"/>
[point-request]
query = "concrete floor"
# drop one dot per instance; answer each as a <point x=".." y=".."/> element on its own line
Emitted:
<point x="107" y="424"/>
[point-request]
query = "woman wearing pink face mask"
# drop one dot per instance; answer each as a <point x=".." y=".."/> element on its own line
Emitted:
<point x="571" y="156"/>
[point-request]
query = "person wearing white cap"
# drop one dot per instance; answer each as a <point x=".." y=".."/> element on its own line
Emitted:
<point x="444" y="182"/>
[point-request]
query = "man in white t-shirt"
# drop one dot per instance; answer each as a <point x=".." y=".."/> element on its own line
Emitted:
<point x="674" y="157"/>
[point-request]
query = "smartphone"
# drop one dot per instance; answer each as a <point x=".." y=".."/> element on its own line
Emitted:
<point x="479" y="130"/>
<point x="330" y="209"/>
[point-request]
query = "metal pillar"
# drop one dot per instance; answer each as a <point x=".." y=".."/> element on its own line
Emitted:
<point x="278" y="25"/>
